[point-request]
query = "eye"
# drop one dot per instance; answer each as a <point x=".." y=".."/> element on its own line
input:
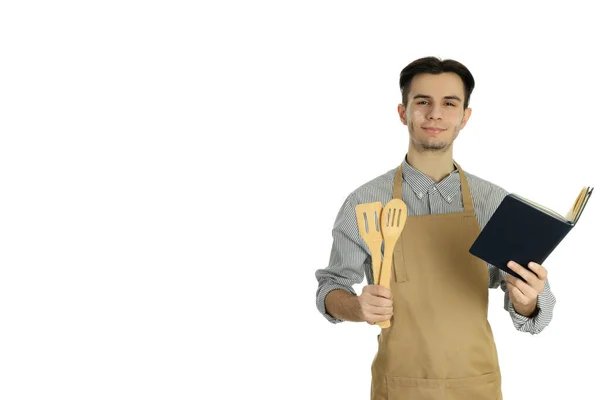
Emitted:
<point x="452" y="104"/>
<point x="422" y="101"/>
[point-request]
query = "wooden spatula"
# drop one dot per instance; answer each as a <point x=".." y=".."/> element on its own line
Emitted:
<point x="368" y="219"/>
<point x="393" y="219"/>
<point x="392" y="222"/>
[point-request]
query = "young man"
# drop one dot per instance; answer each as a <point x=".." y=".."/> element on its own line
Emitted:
<point x="440" y="344"/>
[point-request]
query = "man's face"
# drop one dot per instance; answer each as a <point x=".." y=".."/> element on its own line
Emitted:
<point x="434" y="101"/>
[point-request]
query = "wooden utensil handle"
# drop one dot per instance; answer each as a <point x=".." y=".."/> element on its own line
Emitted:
<point x="386" y="267"/>
<point x="377" y="268"/>
<point x="386" y="274"/>
<point x="385" y="324"/>
<point x="375" y="249"/>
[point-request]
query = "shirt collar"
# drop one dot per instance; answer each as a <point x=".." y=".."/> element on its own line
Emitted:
<point x="421" y="183"/>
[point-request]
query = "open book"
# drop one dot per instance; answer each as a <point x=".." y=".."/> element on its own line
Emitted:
<point x="523" y="231"/>
<point x="575" y="211"/>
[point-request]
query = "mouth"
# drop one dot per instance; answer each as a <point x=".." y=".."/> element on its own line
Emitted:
<point x="434" y="130"/>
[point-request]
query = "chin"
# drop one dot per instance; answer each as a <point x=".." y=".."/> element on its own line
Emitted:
<point x="434" y="146"/>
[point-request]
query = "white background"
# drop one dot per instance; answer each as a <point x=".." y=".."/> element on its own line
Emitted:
<point x="170" y="173"/>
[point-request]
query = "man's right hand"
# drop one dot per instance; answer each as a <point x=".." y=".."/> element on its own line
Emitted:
<point x="375" y="304"/>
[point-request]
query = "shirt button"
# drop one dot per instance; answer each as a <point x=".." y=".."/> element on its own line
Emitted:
<point x="420" y="195"/>
<point x="434" y="188"/>
<point x="449" y="198"/>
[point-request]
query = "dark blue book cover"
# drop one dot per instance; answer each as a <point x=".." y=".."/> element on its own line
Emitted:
<point x="522" y="232"/>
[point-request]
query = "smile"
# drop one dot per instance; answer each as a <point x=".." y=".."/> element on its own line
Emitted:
<point x="434" y="130"/>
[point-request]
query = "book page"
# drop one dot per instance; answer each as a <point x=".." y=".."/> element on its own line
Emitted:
<point x="580" y="202"/>
<point x="540" y="207"/>
<point x="583" y="203"/>
<point x="573" y="211"/>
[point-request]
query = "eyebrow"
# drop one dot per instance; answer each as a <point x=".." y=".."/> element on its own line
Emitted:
<point x="423" y="96"/>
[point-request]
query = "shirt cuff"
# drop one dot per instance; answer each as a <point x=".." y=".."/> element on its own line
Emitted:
<point x="541" y="317"/>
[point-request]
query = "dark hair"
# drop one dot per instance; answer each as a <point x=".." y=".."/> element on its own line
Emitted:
<point x="433" y="65"/>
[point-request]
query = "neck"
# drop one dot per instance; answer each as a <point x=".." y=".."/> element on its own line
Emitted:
<point x="435" y="164"/>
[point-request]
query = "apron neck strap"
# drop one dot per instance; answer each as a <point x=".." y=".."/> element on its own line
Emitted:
<point x="464" y="188"/>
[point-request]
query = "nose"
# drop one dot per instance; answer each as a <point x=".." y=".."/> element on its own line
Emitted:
<point x="435" y="112"/>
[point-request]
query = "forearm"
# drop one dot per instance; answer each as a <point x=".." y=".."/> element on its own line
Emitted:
<point x="343" y="305"/>
<point x="541" y="316"/>
<point x="529" y="311"/>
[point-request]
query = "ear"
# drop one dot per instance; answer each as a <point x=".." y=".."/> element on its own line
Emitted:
<point x="402" y="113"/>
<point x="466" y="117"/>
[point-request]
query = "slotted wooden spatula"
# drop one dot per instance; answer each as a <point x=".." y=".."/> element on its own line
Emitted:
<point x="368" y="219"/>
<point x="393" y="219"/>
<point x="392" y="222"/>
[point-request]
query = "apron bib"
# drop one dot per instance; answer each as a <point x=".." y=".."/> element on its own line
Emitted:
<point x="440" y="344"/>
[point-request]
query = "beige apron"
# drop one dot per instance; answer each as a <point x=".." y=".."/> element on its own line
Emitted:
<point x="440" y="344"/>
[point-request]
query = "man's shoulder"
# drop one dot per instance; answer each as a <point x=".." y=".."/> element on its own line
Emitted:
<point x="483" y="190"/>
<point x="377" y="189"/>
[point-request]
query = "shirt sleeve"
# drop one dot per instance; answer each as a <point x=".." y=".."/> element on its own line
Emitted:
<point x="545" y="305"/>
<point x="348" y="261"/>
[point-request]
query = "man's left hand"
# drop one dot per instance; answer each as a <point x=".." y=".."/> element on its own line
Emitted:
<point x="524" y="294"/>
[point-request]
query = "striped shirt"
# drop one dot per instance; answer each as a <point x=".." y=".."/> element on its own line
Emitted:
<point x="350" y="260"/>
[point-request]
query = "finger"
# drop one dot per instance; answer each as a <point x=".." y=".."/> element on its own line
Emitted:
<point x="536" y="284"/>
<point x="382" y="311"/>
<point x="529" y="276"/>
<point x="373" y="289"/>
<point x="377" y="317"/>
<point x="376" y="301"/>
<point x="382" y="291"/>
<point x="542" y="275"/>
<point x="515" y="294"/>
<point x="510" y="278"/>
<point x="539" y="270"/>
<point x="526" y="288"/>
<point x="510" y="282"/>
<point x="523" y="291"/>
<point x="381" y="318"/>
<point x="512" y="287"/>
<point x="513" y="280"/>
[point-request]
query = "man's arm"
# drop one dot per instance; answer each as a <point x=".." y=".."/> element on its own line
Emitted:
<point x="540" y="318"/>
<point x="375" y="304"/>
<point x="347" y="263"/>
<point x="486" y="204"/>
<point x="343" y="306"/>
